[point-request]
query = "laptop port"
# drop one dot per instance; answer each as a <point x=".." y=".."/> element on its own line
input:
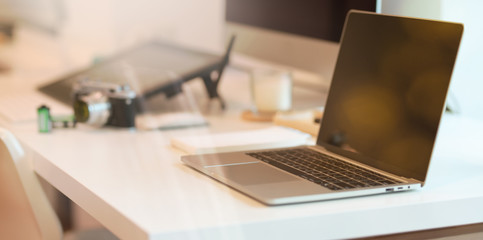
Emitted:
<point x="389" y="189"/>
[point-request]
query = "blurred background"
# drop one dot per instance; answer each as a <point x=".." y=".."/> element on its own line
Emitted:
<point x="93" y="29"/>
<point x="84" y="31"/>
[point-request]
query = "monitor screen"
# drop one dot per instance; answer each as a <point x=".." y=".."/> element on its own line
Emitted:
<point x="300" y="34"/>
<point x="321" y="19"/>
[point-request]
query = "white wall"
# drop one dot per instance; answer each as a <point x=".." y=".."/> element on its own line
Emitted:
<point x="467" y="85"/>
<point x="44" y="14"/>
<point x="103" y="26"/>
<point x="466" y="91"/>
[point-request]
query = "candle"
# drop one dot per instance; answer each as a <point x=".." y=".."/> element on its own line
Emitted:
<point x="271" y="90"/>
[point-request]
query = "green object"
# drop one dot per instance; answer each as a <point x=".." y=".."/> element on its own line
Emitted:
<point x="63" y="121"/>
<point x="43" y="119"/>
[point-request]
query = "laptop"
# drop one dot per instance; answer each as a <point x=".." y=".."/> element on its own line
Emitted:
<point x="380" y="120"/>
<point x="151" y="69"/>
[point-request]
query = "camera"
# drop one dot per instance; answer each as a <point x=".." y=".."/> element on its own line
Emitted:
<point x="100" y="103"/>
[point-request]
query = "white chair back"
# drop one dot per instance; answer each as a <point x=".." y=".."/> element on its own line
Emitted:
<point x="25" y="211"/>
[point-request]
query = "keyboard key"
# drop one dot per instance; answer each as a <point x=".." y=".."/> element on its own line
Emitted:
<point x="322" y="169"/>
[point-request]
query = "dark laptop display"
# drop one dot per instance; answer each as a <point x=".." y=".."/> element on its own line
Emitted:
<point x="389" y="88"/>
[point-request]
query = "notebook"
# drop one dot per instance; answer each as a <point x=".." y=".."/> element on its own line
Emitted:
<point x="241" y="140"/>
<point x="379" y="124"/>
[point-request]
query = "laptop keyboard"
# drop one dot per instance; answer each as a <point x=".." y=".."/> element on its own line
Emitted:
<point x="322" y="169"/>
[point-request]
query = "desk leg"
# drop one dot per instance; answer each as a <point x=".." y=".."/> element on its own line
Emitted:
<point x="60" y="203"/>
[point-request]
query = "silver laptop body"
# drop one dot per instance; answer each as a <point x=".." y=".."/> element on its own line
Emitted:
<point x="382" y="115"/>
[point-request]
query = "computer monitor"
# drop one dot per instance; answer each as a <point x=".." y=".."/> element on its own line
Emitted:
<point x="303" y="34"/>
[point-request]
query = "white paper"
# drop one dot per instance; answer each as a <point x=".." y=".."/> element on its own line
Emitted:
<point x="170" y="120"/>
<point x="272" y="137"/>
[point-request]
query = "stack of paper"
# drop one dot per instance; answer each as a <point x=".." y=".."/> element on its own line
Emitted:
<point x="170" y="120"/>
<point x="272" y="137"/>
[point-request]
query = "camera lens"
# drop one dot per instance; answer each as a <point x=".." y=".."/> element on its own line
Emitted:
<point x="93" y="109"/>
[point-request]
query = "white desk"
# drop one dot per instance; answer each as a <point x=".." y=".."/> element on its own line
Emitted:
<point x="133" y="183"/>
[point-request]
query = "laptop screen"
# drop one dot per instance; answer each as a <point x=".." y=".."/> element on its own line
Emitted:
<point x="388" y="91"/>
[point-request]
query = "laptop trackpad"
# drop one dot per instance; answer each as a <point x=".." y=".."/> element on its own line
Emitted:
<point x="252" y="173"/>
